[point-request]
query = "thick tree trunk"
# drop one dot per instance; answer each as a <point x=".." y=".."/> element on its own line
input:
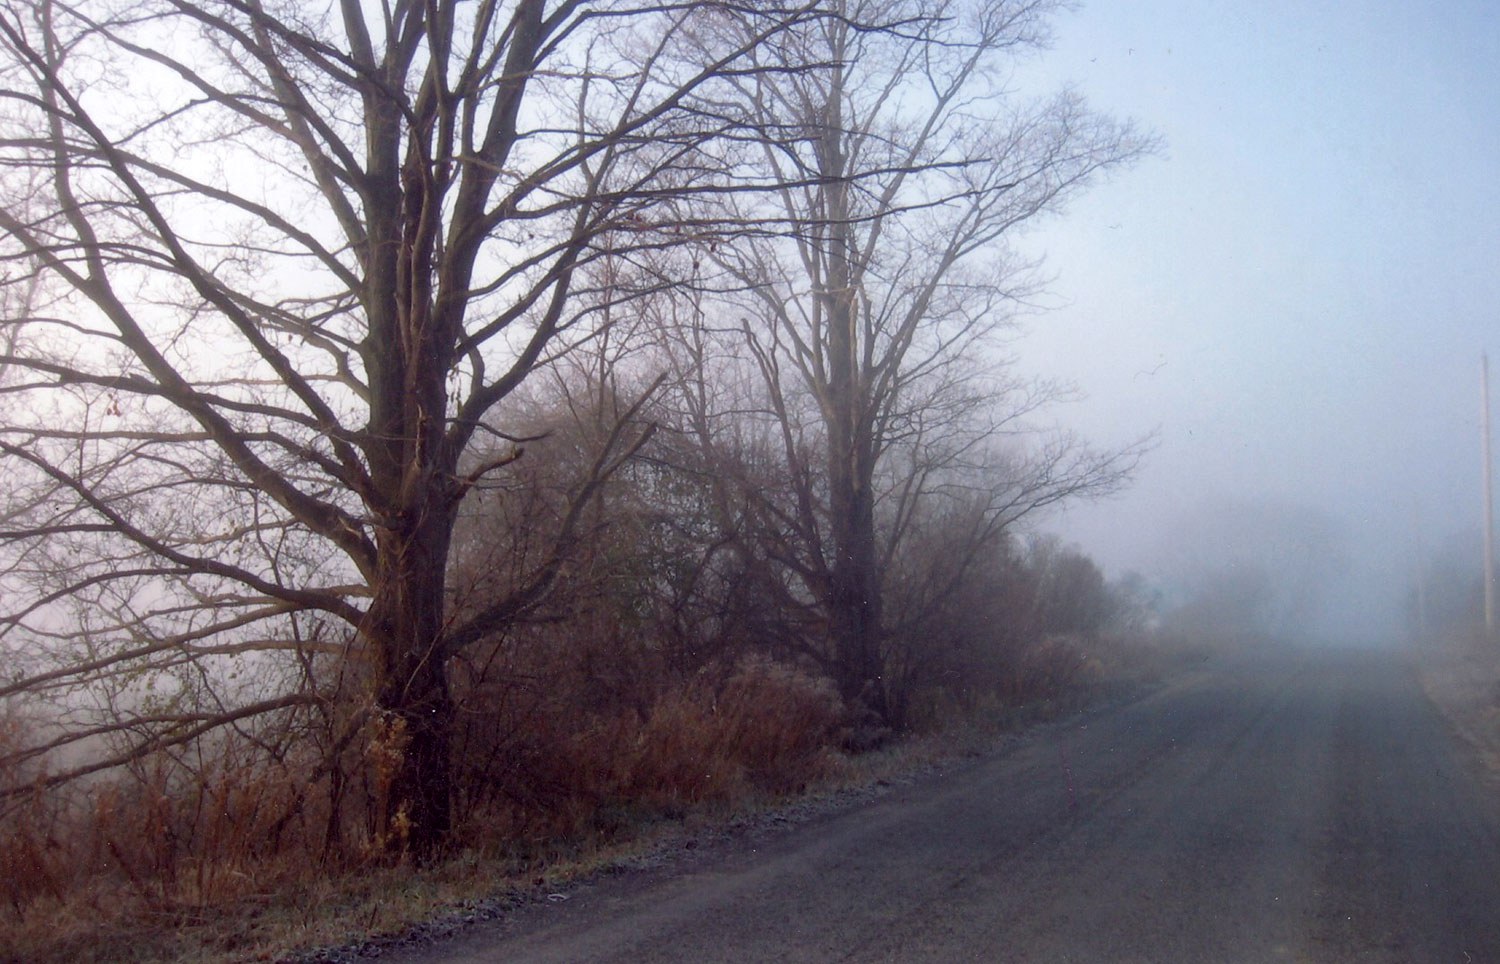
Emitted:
<point x="412" y="691"/>
<point x="854" y="597"/>
<point x="411" y="348"/>
<point x="854" y="590"/>
<point x="854" y="583"/>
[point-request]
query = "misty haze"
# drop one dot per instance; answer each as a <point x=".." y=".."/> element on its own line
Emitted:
<point x="858" y="480"/>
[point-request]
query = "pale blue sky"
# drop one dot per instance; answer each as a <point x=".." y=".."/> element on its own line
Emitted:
<point x="1297" y="292"/>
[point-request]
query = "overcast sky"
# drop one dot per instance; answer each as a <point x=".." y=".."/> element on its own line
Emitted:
<point x="1297" y="292"/>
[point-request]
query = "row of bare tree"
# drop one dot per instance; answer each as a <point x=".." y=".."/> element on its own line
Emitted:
<point x="343" y="342"/>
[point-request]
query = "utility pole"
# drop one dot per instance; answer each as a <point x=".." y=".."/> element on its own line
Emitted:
<point x="1489" y="501"/>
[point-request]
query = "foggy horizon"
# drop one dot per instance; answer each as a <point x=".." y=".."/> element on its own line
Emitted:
<point x="1294" y="295"/>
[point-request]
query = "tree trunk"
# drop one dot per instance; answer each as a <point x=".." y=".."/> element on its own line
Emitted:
<point x="854" y="596"/>
<point x="406" y="621"/>
<point x="854" y="590"/>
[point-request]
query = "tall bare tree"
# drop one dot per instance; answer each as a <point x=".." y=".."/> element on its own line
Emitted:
<point x="910" y="168"/>
<point x="297" y="257"/>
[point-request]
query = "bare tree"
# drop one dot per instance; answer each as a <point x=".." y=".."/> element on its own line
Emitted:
<point x="297" y="259"/>
<point x="872" y="327"/>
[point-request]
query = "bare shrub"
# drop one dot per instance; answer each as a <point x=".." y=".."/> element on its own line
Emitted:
<point x="591" y="743"/>
<point x="1048" y="668"/>
<point x="33" y="863"/>
<point x="1022" y="623"/>
<point x="176" y="836"/>
<point x="768" y="726"/>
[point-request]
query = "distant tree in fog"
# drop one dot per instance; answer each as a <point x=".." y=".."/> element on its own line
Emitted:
<point x="1261" y="567"/>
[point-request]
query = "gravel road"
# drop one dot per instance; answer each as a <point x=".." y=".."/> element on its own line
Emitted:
<point x="1297" y="806"/>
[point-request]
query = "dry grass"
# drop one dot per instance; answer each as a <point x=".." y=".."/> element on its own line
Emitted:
<point x="147" y="867"/>
<point x="100" y="923"/>
<point x="207" y="859"/>
<point x="588" y="746"/>
<point x="203" y="865"/>
<point x="1461" y="675"/>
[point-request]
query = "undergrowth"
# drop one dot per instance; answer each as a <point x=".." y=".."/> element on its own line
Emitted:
<point x="234" y="854"/>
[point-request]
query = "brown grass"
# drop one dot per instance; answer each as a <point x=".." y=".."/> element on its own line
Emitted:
<point x="576" y="765"/>
<point x="227" y="854"/>
<point x="206" y="857"/>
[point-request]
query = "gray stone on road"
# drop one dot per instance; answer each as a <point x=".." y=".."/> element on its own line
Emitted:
<point x="1297" y="806"/>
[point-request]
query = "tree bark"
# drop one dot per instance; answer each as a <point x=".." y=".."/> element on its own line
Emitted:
<point x="406" y="626"/>
<point x="855" y="591"/>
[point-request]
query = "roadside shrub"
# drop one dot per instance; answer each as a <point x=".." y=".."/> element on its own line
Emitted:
<point x="767" y="727"/>
<point x="34" y="865"/>
<point x="590" y="753"/>
<point x="1050" y="667"/>
<point x="175" y="837"/>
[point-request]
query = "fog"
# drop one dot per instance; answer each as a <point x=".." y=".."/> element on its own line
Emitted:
<point x="1295" y="294"/>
